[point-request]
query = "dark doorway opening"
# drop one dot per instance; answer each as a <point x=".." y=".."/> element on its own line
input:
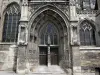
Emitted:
<point x="54" y="56"/>
<point x="97" y="71"/>
<point x="43" y="55"/>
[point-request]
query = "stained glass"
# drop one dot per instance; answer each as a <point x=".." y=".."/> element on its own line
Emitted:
<point x="87" y="34"/>
<point x="10" y="29"/>
<point x="82" y="40"/>
<point x="50" y="34"/>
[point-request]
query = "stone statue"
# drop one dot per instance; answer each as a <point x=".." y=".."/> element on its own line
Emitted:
<point x="22" y="35"/>
<point x="75" y="35"/>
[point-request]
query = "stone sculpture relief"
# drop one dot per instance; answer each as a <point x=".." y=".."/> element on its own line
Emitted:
<point x="22" y="36"/>
<point x="74" y="35"/>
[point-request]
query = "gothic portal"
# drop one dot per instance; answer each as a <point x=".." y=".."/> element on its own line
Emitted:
<point x="50" y="35"/>
<point x="47" y="34"/>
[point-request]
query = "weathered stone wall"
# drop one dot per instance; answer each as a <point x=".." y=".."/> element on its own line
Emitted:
<point x="33" y="56"/>
<point x="90" y="60"/>
<point x="8" y="54"/>
<point x="4" y="50"/>
<point x="89" y="71"/>
<point x="21" y="59"/>
<point x="90" y="57"/>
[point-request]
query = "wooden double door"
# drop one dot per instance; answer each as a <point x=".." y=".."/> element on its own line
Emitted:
<point x="50" y="55"/>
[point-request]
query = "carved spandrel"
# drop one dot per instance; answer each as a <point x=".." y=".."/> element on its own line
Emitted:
<point x="62" y="6"/>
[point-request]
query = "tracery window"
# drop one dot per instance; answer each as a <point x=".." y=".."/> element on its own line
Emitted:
<point x="11" y="23"/>
<point x="87" y="34"/>
<point x="89" y="4"/>
<point x="49" y="35"/>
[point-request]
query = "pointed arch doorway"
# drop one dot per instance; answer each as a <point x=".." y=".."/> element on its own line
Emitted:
<point x="49" y="45"/>
<point x="48" y="39"/>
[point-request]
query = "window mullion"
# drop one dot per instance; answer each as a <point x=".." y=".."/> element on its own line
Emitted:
<point x="84" y="38"/>
<point x="44" y="40"/>
<point x="53" y="39"/>
<point x="11" y="27"/>
<point x="90" y="38"/>
<point x="7" y="28"/>
<point x="16" y="27"/>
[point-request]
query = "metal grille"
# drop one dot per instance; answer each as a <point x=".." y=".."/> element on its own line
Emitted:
<point x="11" y="22"/>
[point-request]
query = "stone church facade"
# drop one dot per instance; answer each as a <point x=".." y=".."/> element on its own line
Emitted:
<point x="50" y="32"/>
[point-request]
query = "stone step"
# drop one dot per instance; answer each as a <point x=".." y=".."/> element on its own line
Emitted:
<point x="51" y="70"/>
<point x="46" y="74"/>
<point x="40" y="70"/>
<point x="12" y="73"/>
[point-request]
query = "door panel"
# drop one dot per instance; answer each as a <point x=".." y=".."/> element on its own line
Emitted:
<point x="43" y="56"/>
<point x="54" y="56"/>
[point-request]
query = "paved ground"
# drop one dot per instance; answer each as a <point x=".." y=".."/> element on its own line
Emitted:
<point x="7" y="73"/>
<point x="41" y="70"/>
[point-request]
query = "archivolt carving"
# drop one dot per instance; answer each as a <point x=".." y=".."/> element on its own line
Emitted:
<point x="62" y="6"/>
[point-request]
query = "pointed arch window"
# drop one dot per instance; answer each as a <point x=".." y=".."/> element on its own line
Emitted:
<point x="87" y="34"/>
<point x="49" y="35"/>
<point x="11" y="23"/>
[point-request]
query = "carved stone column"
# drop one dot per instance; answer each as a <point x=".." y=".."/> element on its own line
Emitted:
<point x="21" y="60"/>
<point x="49" y="58"/>
<point x="23" y="28"/>
<point x="22" y="40"/>
<point x="76" y="65"/>
<point x="75" y="49"/>
<point x="24" y="10"/>
<point x="73" y="13"/>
